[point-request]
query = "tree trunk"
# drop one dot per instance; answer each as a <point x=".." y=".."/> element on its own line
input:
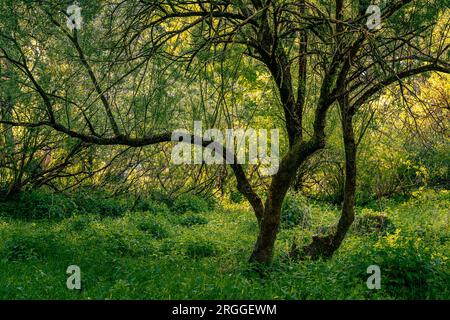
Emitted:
<point x="268" y="230"/>
<point x="270" y="220"/>
<point x="325" y="246"/>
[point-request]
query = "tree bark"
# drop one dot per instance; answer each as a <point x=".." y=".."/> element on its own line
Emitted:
<point x="325" y="246"/>
<point x="269" y="224"/>
<point x="263" y="250"/>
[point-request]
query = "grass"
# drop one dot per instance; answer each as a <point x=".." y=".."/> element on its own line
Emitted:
<point x="142" y="255"/>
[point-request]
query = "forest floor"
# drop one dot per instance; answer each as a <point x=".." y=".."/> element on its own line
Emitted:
<point x="204" y="255"/>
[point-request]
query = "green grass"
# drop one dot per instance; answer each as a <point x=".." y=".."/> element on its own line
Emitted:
<point x="143" y="255"/>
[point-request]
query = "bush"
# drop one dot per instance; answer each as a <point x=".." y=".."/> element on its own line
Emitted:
<point x="295" y="212"/>
<point x="96" y="202"/>
<point x="188" y="202"/>
<point x="369" y="222"/>
<point x="24" y="247"/>
<point x="159" y="196"/>
<point x="411" y="268"/>
<point x="212" y="202"/>
<point x="406" y="267"/>
<point x="236" y="196"/>
<point x="156" y="230"/>
<point x="109" y="208"/>
<point x="41" y="204"/>
<point x="201" y="249"/>
<point x="117" y="243"/>
<point x="192" y="220"/>
<point x="20" y="249"/>
<point x="79" y="223"/>
<point x="38" y="205"/>
<point x="152" y="206"/>
<point x="168" y="246"/>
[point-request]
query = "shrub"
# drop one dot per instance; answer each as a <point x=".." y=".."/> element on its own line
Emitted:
<point x="193" y="219"/>
<point x="97" y="202"/>
<point x="211" y="202"/>
<point x="167" y="246"/>
<point x="236" y="196"/>
<point x="79" y="223"/>
<point x="188" y="202"/>
<point x="38" y="205"/>
<point x="41" y="204"/>
<point x="295" y="212"/>
<point x="156" y="230"/>
<point x="20" y="249"/>
<point x="159" y="196"/>
<point x="201" y="249"/>
<point x="115" y="243"/>
<point x="24" y="247"/>
<point x="406" y="268"/>
<point x="372" y="222"/>
<point x="152" y="206"/>
<point x="110" y="208"/>
<point x="411" y="268"/>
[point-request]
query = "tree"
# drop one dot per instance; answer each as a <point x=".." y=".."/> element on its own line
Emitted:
<point x="130" y="55"/>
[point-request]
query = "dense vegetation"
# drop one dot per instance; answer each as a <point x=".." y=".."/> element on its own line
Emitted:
<point x="93" y="93"/>
<point x="201" y="255"/>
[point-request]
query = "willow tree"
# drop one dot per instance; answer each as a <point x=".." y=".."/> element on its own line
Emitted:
<point x="110" y="82"/>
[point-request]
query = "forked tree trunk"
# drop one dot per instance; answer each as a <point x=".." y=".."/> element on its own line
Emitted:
<point x="269" y="222"/>
<point x="325" y="246"/>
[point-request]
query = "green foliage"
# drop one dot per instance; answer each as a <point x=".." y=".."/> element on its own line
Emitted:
<point x="407" y="268"/>
<point x="168" y="246"/>
<point x="38" y="205"/>
<point x="117" y="244"/>
<point x="369" y="221"/>
<point x="152" y="206"/>
<point x="190" y="220"/>
<point x="295" y="212"/>
<point x="155" y="229"/>
<point x="95" y="202"/>
<point x="109" y="208"/>
<point x="236" y="196"/>
<point x="41" y="204"/>
<point x="211" y="201"/>
<point x="160" y="197"/>
<point x="119" y="261"/>
<point x="79" y="223"/>
<point x="27" y="247"/>
<point x="20" y="248"/>
<point x="189" y="203"/>
<point x="201" y="249"/>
